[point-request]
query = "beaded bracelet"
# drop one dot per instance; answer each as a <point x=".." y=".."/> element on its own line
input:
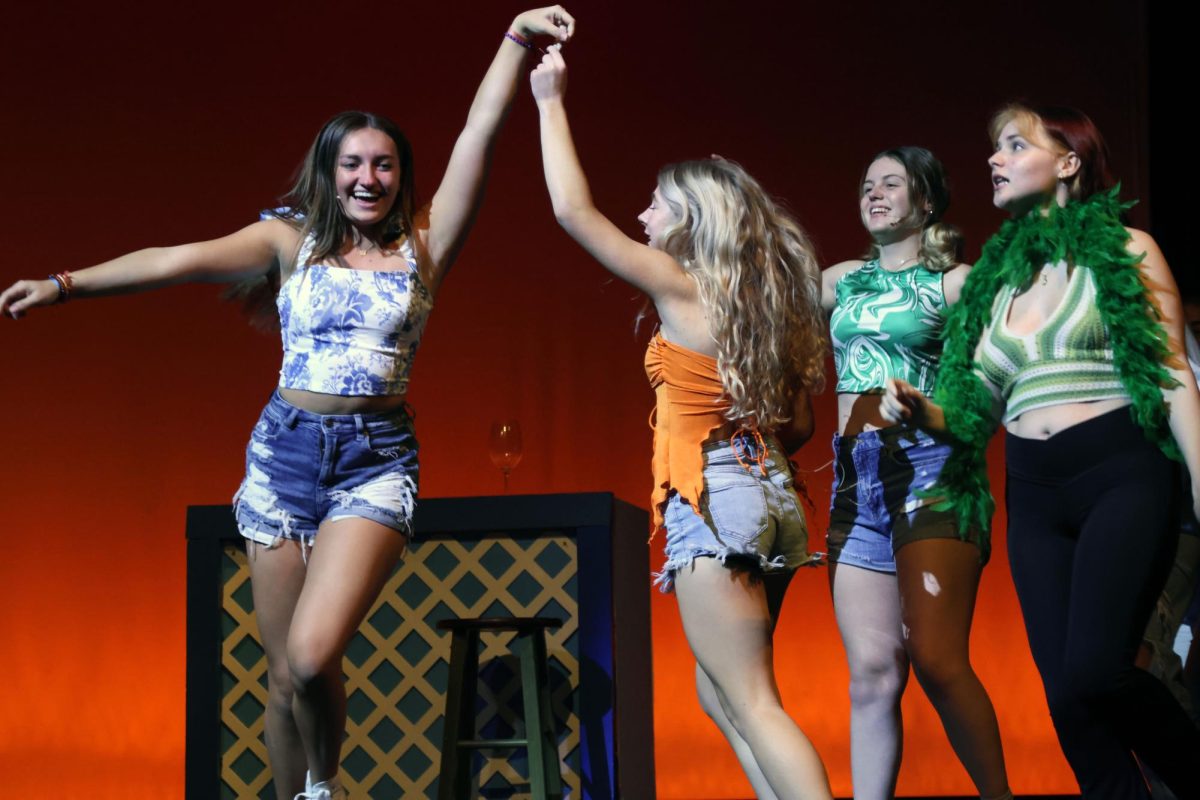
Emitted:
<point x="65" y="284"/>
<point x="519" y="39"/>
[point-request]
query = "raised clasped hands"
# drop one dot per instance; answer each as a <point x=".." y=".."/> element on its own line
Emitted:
<point x="549" y="21"/>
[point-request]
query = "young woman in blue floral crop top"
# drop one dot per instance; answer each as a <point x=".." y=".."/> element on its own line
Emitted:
<point x="326" y="504"/>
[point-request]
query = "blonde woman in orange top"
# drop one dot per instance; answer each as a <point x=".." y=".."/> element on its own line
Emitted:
<point x="740" y="345"/>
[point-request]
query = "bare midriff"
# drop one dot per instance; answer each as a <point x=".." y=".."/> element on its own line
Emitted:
<point x="319" y="403"/>
<point x="860" y="412"/>
<point x="1042" y="423"/>
<point x="722" y="434"/>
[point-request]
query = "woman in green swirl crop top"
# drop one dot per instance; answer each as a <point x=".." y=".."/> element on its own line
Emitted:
<point x="1070" y="332"/>
<point x="896" y="562"/>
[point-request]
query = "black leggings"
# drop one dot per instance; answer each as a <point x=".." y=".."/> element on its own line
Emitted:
<point x="1092" y="530"/>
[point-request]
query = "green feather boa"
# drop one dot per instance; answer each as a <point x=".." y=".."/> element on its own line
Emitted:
<point x="1087" y="233"/>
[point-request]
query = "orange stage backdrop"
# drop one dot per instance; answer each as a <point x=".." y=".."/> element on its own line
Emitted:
<point x="129" y="128"/>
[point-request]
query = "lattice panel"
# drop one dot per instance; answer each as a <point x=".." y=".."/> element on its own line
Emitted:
<point x="397" y="663"/>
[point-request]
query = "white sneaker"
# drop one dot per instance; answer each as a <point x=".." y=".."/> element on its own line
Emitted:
<point x="322" y="790"/>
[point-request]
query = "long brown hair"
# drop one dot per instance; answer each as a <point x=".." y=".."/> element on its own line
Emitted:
<point x="311" y="206"/>
<point x="312" y="202"/>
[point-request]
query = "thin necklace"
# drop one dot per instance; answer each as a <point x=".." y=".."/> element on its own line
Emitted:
<point x="898" y="266"/>
<point x="372" y="246"/>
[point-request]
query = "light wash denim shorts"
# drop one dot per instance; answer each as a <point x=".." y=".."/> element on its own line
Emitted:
<point x="874" y="509"/>
<point x="750" y="516"/>
<point x="303" y="469"/>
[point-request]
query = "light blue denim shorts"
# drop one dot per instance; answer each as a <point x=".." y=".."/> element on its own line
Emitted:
<point x="303" y="469"/>
<point x="749" y="518"/>
<point x="874" y="508"/>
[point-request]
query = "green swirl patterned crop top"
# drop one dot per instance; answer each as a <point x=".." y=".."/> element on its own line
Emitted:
<point x="887" y="325"/>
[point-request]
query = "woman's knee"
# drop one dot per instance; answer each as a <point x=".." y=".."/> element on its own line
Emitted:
<point x="938" y="662"/>
<point x="310" y="662"/>
<point x="279" y="686"/>
<point x="939" y="676"/>
<point x="745" y="715"/>
<point x="742" y="705"/>
<point x="878" y="679"/>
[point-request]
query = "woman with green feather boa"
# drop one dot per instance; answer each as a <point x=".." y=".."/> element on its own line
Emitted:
<point x="1070" y="332"/>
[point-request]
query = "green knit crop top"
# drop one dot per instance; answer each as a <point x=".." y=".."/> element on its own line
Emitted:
<point x="1069" y="359"/>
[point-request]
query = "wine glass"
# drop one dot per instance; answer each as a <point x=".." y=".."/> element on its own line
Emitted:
<point x="504" y="446"/>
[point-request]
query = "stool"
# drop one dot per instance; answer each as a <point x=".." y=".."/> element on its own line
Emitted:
<point x="545" y="780"/>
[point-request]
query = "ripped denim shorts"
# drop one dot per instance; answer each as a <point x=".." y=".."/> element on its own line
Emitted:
<point x="874" y="508"/>
<point x="750" y="516"/>
<point x="303" y="469"/>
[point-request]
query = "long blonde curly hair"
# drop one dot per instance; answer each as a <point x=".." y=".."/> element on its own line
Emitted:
<point x="759" y="281"/>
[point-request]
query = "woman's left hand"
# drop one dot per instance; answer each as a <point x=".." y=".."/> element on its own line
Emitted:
<point x="549" y="21"/>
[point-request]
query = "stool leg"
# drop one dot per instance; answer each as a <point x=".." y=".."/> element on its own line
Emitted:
<point x="462" y="683"/>
<point x="543" y="755"/>
<point x="550" y="751"/>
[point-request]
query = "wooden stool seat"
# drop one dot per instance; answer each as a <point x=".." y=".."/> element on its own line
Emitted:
<point x="459" y="736"/>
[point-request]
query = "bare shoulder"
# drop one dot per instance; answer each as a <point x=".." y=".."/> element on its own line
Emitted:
<point x="1153" y="263"/>
<point x="280" y="235"/>
<point x="281" y="232"/>
<point x="835" y="272"/>
<point x="1142" y="244"/>
<point x="1156" y="275"/>
<point x="419" y="240"/>
<point x="952" y="282"/>
<point x="829" y="278"/>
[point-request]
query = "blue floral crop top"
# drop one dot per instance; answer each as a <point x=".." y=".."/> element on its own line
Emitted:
<point x="351" y="332"/>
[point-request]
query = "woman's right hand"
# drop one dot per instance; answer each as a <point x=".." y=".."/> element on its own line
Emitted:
<point x="903" y="402"/>
<point x="549" y="79"/>
<point x="549" y="21"/>
<point x="24" y="295"/>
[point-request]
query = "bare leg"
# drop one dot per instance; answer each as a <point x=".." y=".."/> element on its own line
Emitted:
<point x="938" y="581"/>
<point x="348" y="566"/>
<point x="728" y="625"/>
<point x="867" y="604"/>
<point x="775" y="585"/>
<point x="276" y="578"/>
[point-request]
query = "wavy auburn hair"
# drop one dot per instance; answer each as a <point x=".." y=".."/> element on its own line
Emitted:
<point x="759" y="282"/>
<point x="1062" y="130"/>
